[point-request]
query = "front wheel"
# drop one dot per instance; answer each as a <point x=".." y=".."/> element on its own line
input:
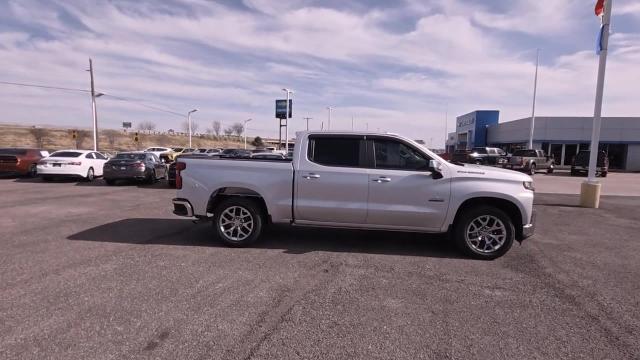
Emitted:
<point x="484" y="232"/>
<point x="33" y="171"/>
<point x="238" y="221"/>
<point x="550" y="169"/>
<point x="532" y="169"/>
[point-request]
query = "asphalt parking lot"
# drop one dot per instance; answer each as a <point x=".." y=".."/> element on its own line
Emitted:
<point x="89" y="271"/>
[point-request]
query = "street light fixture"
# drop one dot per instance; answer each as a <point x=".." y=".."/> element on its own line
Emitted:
<point x="244" y="130"/>
<point x="286" y="122"/>
<point x="189" y="124"/>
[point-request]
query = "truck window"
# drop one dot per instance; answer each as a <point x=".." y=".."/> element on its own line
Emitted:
<point x="395" y="155"/>
<point x="335" y="151"/>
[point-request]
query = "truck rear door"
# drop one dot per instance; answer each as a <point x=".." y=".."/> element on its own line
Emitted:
<point x="331" y="180"/>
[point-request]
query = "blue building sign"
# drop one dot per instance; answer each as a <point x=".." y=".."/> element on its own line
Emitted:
<point x="471" y="128"/>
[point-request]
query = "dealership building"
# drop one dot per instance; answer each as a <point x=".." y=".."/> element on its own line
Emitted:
<point x="560" y="136"/>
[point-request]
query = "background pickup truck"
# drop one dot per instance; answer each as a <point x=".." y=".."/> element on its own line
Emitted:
<point x="530" y="161"/>
<point x="363" y="181"/>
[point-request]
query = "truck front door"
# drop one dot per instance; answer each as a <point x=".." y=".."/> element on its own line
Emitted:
<point x="331" y="180"/>
<point x="403" y="191"/>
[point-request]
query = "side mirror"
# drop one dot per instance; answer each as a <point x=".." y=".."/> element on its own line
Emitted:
<point x="435" y="165"/>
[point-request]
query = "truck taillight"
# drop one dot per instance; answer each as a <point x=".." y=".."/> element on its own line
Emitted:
<point x="179" y="167"/>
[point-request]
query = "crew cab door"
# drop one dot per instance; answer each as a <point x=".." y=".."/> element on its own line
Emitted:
<point x="403" y="191"/>
<point x="331" y="180"/>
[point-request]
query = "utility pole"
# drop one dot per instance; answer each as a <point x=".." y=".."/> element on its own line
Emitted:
<point x="446" y="127"/>
<point x="329" y="108"/>
<point x="351" y="122"/>
<point x="307" y="118"/>
<point x="93" y="108"/>
<point x="533" y="107"/>
<point x="590" y="189"/>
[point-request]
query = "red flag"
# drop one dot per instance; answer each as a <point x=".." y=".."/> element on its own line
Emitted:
<point x="599" y="7"/>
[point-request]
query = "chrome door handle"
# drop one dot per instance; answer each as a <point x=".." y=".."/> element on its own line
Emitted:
<point x="382" y="179"/>
<point x="311" y="176"/>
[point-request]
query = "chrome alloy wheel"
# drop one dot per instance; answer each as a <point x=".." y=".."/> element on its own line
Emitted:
<point x="236" y="223"/>
<point x="486" y="234"/>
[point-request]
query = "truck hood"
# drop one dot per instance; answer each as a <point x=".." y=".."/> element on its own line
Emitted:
<point x="487" y="172"/>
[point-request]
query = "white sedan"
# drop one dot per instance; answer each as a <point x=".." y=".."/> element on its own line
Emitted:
<point x="157" y="150"/>
<point x="86" y="164"/>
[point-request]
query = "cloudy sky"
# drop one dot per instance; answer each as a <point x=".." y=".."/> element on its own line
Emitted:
<point x="396" y="66"/>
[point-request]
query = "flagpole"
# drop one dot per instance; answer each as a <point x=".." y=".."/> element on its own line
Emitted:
<point x="533" y="107"/>
<point x="590" y="189"/>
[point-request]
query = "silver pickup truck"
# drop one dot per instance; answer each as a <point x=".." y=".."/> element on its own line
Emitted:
<point x="359" y="180"/>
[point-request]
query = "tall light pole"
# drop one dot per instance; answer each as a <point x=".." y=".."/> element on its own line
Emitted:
<point x="189" y="124"/>
<point x="533" y="107"/>
<point x="307" y="118"/>
<point x="590" y="189"/>
<point x="286" y="121"/>
<point x="329" y="108"/>
<point x="244" y="130"/>
<point x="351" y="122"/>
<point x="94" y="111"/>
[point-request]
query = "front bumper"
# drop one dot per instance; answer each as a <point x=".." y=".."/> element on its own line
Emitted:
<point x="529" y="229"/>
<point x="182" y="207"/>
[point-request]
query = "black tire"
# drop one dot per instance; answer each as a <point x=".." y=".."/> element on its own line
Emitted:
<point x="550" y="169"/>
<point x="33" y="171"/>
<point x="90" y="175"/>
<point x="478" y="162"/>
<point x="603" y="174"/>
<point x="573" y="173"/>
<point x="248" y="206"/>
<point x="532" y="169"/>
<point x="171" y="183"/>
<point x="47" y="178"/>
<point x="464" y="222"/>
<point x="110" y="181"/>
<point x="152" y="178"/>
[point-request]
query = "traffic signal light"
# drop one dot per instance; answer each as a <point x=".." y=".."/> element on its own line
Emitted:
<point x="74" y="134"/>
<point x="136" y="138"/>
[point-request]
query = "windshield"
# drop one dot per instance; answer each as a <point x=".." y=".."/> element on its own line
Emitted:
<point x="66" y="154"/>
<point x="177" y="149"/>
<point x="13" y="151"/>
<point x="130" y="156"/>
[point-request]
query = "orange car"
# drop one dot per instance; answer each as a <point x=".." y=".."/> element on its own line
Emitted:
<point x="18" y="161"/>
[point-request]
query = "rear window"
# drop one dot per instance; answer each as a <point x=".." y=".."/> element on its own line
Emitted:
<point x="13" y="151"/>
<point x="66" y="154"/>
<point x="335" y="151"/>
<point x="130" y="156"/>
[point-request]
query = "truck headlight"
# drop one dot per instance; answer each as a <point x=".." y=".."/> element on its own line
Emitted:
<point x="528" y="185"/>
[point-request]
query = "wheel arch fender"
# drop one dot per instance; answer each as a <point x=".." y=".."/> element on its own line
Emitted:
<point x="504" y="202"/>
<point x="223" y="193"/>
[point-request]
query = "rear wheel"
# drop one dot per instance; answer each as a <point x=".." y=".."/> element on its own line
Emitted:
<point x="532" y="169"/>
<point x="152" y="177"/>
<point x="484" y="232"/>
<point x="603" y="174"/>
<point x="90" y="175"/>
<point x="550" y="169"/>
<point x="238" y="221"/>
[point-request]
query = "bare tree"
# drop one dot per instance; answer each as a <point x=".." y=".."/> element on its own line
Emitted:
<point x="216" y="127"/>
<point x="148" y="126"/>
<point x="81" y="136"/>
<point x="194" y="127"/>
<point x="238" y="128"/>
<point x="228" y="131"/>
<point x="39" y="134"/>
<point x="112" y="136"/>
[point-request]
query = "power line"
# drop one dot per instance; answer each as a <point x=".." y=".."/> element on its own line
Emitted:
<point x="42" y="86"/>
<point x="136" y="101"/>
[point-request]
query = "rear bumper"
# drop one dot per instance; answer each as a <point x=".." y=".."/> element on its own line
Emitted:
<point x="529" y="229"/>
<point x="112" y="174"/>
<point x="182" y="207"/>
<point x="62" y="171"/>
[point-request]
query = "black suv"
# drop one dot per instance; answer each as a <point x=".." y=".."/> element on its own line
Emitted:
<point x="580" y="163"/>
<point x="480" y="156"/>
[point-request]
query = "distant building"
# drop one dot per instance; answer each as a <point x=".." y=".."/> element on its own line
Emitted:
<point x="560" y="136"/>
